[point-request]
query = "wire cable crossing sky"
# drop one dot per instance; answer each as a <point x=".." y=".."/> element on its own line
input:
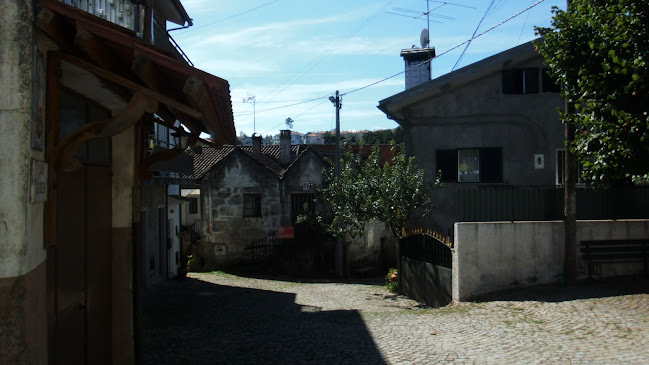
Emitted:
<point x="301" y="52"/>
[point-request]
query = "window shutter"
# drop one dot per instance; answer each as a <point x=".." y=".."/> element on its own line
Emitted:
<point x="447" y="163"/>
<point x="512" y="81"/>
<point x="491" y="165"/>
<point x="531" y="81"/>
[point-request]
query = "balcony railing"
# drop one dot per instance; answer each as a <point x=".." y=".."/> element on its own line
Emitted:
<point x="121" y="12"/>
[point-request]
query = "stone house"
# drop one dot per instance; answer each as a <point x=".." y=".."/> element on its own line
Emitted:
<point x="493" y="131"/>
<point x="246" y="193"/>
<point x="82" y="83"/>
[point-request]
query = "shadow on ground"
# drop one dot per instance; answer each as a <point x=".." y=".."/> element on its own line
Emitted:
<point x="609" y="287"/>
<point x="194" y="322"/>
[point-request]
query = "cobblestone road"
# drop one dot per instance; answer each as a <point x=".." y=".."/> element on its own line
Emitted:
<point x="226" y="319"/>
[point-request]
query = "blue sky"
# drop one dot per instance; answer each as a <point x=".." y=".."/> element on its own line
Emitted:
<point x="293" y="54"/>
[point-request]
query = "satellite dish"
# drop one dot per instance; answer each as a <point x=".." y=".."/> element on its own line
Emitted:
<point x="423" y="38"/>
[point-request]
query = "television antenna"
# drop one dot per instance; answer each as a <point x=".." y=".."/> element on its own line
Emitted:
<point x="252" y="99"/>
<point x="416" y="14"/>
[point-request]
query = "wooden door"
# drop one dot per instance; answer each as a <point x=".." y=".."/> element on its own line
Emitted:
<point x="83" y="267"/>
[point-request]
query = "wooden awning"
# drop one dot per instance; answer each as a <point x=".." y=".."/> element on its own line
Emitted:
<point x="129" y="65"/>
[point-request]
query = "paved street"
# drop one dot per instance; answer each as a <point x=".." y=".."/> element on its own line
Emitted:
<point x="225" y="319"/>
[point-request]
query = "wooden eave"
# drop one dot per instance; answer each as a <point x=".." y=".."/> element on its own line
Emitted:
<point x="199" y="100"/>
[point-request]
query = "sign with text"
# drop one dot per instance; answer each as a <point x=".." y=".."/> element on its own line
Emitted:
<point x="285" y="233"/>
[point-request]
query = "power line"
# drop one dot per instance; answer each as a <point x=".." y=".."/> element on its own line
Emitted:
<point x="285" y="106"/>
<point x="226" y="18"/>
<point x="447" y="51"/>
<point x="523" y="28"/>
<point x="474" y="32"/>
<point x="328" y="53"/>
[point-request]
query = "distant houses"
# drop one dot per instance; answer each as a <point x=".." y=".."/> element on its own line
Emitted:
<point x="321" y="137"/>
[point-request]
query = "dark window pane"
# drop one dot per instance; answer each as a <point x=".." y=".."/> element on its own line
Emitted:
<point x="531" y="81"/>
<point x="252" y="205"/>
<point x="491" y="165"/>
<point x="513" y="81"/>
<point x="447" y="164"/>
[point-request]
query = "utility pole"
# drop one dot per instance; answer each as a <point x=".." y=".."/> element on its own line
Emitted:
<point x="570" y="196"/>
<point x="339" y="241"/>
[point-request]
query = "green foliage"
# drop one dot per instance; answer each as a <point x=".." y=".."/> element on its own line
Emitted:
<point x="391" y="284"/>
<point x="393" y="193"/>
<point x="328" y="138"/>
<point x="599" y="51"/>
<point x="384" y="136"/>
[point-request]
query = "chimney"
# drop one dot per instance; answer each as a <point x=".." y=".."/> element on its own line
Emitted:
<point x="256" y="143"/>
<point x="285" y="146"/>
<point x="416" y="73"/>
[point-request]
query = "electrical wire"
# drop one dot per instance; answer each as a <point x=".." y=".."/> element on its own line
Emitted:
<point x="523" y="28"/>
<point x="329" y="52"/>
<point x="473" y="35"/>
<point x="445" y="52"/>
<point x="226" y="18"/>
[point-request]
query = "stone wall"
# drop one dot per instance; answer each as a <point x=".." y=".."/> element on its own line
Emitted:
<point x="23" y="311"/>
<point x="226" y="233"/>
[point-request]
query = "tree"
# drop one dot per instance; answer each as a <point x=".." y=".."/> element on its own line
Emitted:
<point x="599" y="51"/>
<point x="384" y="136"/>
<point x="328" y="138"/>
<point x="392" y="192"/>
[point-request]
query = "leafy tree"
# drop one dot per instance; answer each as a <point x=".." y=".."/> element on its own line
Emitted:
<point x="599" y="51"/>
<point x="289" y="123"/>
<point x="384" y="136"/>
<point x="393" y="192"/>
<point x="328" y="138"/>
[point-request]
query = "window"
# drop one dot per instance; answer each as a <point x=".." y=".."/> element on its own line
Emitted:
<point x="193" y="205"/>
<point x="521" y="81"/>
<point x="252" y="205"/>
<point x="483" y="165"/>
<point x="548" y="84"/>
<point x="468" y="165"/>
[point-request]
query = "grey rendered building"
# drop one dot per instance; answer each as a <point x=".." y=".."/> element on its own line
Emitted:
<point x="490" y="124"/>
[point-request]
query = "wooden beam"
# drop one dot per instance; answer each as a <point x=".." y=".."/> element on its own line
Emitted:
<point x="56" y="27"/>
<point x="96" y="50"/>
<point x="131" y="85"/>
<point x="68" y="146"/>
<point x="199" y="98"/>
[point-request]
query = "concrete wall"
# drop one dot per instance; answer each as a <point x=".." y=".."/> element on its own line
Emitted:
<point x="476" y="115"/>
<point x="226" y="233"/>
<point x="491" y="256"/>
<point x="23" y="317"/>
<point x="366" y="249"/>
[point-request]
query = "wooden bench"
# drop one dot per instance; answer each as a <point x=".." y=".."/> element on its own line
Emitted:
<point x="614" y="251"/>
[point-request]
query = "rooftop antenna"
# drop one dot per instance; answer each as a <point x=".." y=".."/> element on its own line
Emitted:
<point x="428" y="13"/>
<point x="252" y="99"/>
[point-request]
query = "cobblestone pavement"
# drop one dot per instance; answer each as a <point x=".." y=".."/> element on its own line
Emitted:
<point x="226" y="319"/>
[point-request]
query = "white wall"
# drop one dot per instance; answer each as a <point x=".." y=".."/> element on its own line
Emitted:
<point x="491" y="256"/>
